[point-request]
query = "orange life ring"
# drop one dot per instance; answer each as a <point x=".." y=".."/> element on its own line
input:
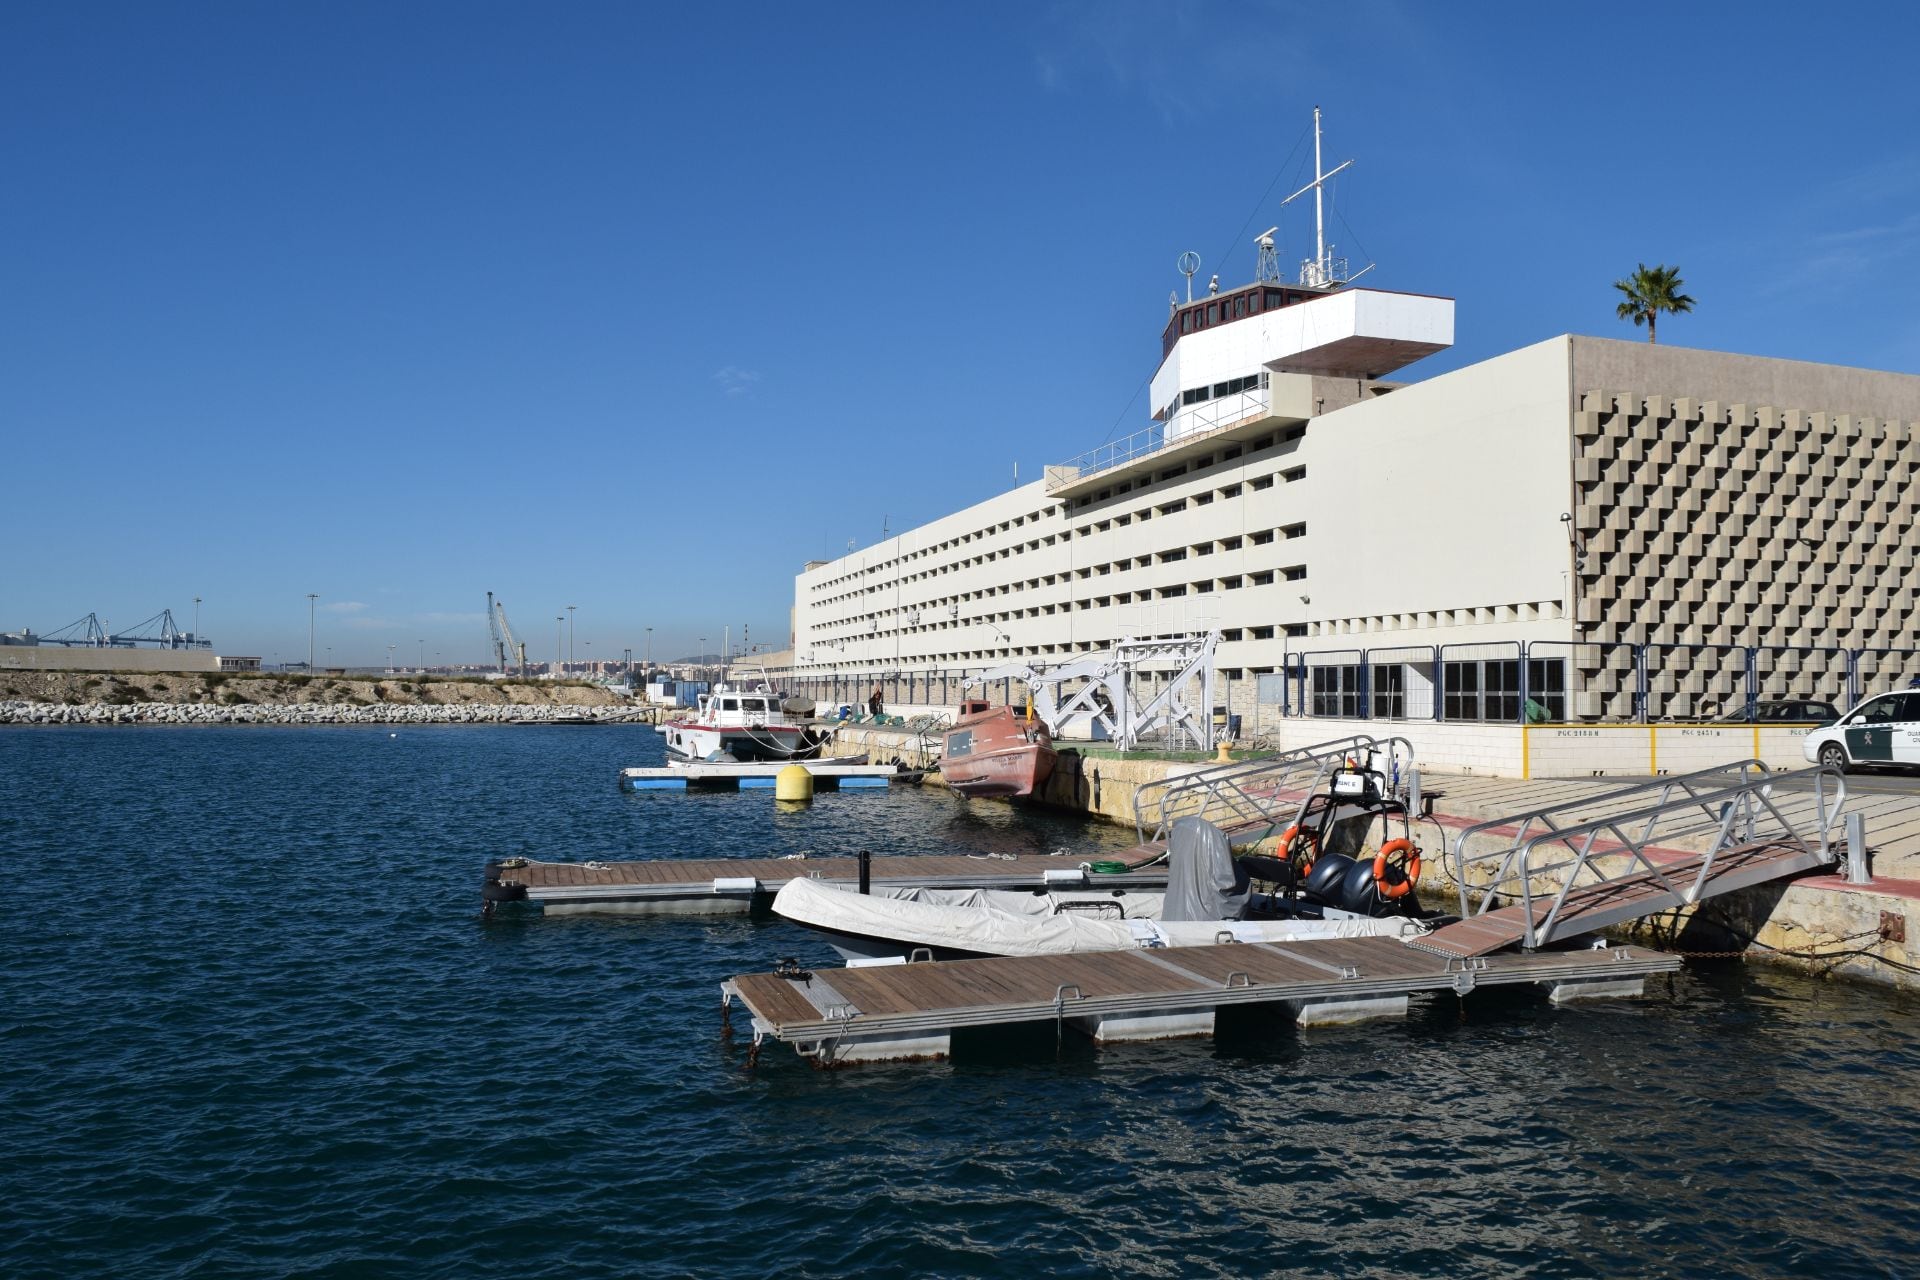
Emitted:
<point x="1405" y="887"/>
<point x="1287" y="838"/>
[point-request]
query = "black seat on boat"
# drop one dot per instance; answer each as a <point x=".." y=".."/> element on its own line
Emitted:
<point x="1274" y="871"/>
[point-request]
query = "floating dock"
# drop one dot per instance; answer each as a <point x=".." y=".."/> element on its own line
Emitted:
<point x="910" y="1011"/>
<point x="735" y="886"/>
<point x="827" y="775"/>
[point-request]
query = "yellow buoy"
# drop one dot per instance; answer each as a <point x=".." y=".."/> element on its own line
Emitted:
<point x="793" y="783"/>
<point x="1223" y="752"/>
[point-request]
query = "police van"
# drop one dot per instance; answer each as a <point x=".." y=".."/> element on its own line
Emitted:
<point x="1883" y="730"/>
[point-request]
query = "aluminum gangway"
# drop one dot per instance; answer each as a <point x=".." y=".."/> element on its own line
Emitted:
<point x="1267" y="794"/>
<point x="1666" y="843"/>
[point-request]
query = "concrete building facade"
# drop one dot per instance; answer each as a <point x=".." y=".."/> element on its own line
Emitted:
<point x="1606" y="529"/>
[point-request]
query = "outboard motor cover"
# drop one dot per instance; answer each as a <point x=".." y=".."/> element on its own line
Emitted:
<point x="1356" y="889"/>
<point x="1330" y="872"/>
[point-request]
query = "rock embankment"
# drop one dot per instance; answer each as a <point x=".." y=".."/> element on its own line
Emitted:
<point x="213" y="698"/>
<point x="86" y="713"/>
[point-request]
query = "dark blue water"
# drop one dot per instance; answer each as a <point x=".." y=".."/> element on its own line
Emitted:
<point x="253" y="1025"/>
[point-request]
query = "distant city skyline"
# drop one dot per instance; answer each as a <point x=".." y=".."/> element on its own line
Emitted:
<point x="637" y="310"/>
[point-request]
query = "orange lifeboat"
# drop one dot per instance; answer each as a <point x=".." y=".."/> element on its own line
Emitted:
<point x="994" y="751"/>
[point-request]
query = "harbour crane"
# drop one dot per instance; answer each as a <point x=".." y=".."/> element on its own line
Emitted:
<point x="504" y="646"/>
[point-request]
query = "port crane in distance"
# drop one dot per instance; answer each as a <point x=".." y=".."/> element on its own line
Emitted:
<point x="504" y="646"/>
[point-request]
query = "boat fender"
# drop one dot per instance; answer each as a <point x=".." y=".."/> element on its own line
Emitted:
<point x="1410" y="853"/>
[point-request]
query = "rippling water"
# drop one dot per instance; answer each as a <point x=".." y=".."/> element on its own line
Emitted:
<point x="253" y="1025"/>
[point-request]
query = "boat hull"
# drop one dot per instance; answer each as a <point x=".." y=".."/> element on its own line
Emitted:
<point x="996" y="754"/>
<point x="1004" y="774"/>
<point x="764" y="743"/>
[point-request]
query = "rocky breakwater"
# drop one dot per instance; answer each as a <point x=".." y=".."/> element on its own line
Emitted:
<point x="301" y="713"/>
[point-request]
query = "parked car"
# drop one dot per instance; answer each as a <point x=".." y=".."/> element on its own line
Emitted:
<point x="1785" y="710"/>
<point x="1883" y="730"/>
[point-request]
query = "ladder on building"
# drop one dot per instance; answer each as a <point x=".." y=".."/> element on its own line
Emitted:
<point x="1251" y="798"/>
<point x="1667" y="843"/>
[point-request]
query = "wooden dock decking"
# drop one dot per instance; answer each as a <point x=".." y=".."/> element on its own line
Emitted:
<point x="910" y="1011"/>
<point x="707" y="886"/>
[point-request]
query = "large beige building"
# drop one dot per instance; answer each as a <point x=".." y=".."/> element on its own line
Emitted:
<point x="1609" y="529"/>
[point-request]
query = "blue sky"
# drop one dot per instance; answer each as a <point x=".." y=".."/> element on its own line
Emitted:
<point x="637" y="307"/>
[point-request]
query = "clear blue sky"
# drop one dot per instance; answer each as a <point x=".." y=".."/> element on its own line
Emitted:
<point x="638" y="308"/>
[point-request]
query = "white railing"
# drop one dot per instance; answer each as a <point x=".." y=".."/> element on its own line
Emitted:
<point x="1190" y="422"/>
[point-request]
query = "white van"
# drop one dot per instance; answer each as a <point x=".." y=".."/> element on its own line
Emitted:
<point x="1884" y="729"/>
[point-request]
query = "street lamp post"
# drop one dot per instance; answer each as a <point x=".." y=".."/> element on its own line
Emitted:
<point x="703" y="655"/>
<point x="649" y="648"/>
<point x="196" y="620"/>
<point x="558" y="623"/>
<point x="570" y="631"/>
<point x="423" y="656"/>
<point x="311" y="597"/>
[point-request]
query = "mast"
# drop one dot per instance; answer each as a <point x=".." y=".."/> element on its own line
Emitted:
<point x="1319" y="197"/>
<point x="1323" y="270"/>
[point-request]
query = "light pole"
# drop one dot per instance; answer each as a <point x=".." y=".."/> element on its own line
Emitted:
<point x="390" y="649"/>
<point x="196" y="620"/>
<point x="329" y="658"/>
<point x="589" y="655"/>
<point x="649" y="648"/>
<point x="570" y="631"/>
<point x="423" y="656"/>
<point x="703" y="654"/>
<point x="558" y="623"/>
<point x="311" y="597"/>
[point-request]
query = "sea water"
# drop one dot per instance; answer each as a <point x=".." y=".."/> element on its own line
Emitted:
<point x="253" y="1023"/>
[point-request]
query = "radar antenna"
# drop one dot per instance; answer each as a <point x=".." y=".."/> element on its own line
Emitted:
<point x="1268" y="269"/>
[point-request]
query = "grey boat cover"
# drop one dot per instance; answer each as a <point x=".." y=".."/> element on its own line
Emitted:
<point x="1200" y="874"/>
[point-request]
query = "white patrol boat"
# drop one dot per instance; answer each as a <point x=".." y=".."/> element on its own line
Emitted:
<point x="739" y="725"/>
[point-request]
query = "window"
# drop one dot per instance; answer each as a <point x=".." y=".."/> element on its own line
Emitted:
<point x="1262" y="579"/>
<point x="1295" y="572"/>
<point x="1390" y="692"/>
<point x="1336" y="692"/>
<point x="1293" y="473"/>
<point x="1213" y="313"/>
<point x="1294" y="530"/>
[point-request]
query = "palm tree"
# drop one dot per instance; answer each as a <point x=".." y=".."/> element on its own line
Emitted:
<point x="1650" y="292"/>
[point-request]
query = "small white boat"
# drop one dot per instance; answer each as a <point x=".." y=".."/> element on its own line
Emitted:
<point x="740" y="725"/>
<point x="1208" y="900"/>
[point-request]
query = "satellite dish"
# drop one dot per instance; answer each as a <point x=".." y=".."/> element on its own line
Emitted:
<point x="1189" y="264"/>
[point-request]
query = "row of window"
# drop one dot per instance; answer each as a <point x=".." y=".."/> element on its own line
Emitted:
<point x="1470" y="690"/>
<point x="1231" y="387"/>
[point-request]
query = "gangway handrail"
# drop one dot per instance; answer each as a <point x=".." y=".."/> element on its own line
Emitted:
<point x="1251" y="790"/>
<point x="1544" y="815"/>
<point x="1171" y="784"/>
<point x="1733" y="814"/>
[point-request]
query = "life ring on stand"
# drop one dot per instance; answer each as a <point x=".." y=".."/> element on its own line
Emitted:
<point x="1309" y="842"/>
<point x="1410" y="857"/>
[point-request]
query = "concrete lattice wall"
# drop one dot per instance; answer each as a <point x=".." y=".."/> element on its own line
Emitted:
<point x="1758" y="525"/>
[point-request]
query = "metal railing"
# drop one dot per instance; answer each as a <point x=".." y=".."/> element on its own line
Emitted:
<point x="1192" y="422"/>
<point x="1544" y="863"/>
<point x="1270" y="791"/>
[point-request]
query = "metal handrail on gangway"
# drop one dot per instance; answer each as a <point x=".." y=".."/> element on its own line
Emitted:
<point x="1269" y="791"/>
<point x="1546" y="882"/>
